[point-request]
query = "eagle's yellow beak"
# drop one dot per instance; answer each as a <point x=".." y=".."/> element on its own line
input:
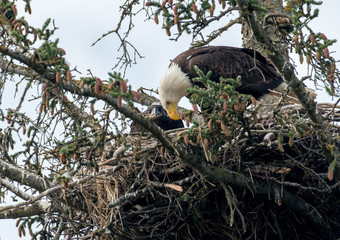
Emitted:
<point x="172" y="111"/>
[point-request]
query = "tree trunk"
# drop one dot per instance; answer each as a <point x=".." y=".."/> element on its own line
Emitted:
<point x="274" y="23"/>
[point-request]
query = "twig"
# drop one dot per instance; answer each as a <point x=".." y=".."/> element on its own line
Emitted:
<point x="128" y="197"/>
<point x="32" y="200"/>
<point x="59" y="187"/>
<point x="126" y="14"/>
<point x="116" y="155"/>
<point x="186" y="180"/>
<point x="60" y="229"/>
<point x="335" y="105"/>
<point x="297" y="185"/>
<point x="216" y="33"/>
<point x="230" y="204"/>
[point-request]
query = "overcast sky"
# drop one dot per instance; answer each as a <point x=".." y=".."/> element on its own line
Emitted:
<point x="82" y="22"/>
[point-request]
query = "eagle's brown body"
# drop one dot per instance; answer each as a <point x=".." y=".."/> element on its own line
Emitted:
<point x="257" y="75"/>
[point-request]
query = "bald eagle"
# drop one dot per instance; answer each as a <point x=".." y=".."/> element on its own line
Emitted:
<point x="258" y="76"/>
<point x="158" y="115"/>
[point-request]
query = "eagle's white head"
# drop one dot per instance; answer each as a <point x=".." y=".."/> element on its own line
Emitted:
<point x="172" y="87"/>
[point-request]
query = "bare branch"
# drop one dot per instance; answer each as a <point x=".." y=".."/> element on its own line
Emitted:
<point x="10" y="186"/>
<point x="24" y="177"/>
<point x="216" y="33"/>
<point x="125" y="59"/>
<point x="24" y="212"/>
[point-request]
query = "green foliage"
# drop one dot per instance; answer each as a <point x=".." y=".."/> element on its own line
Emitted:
<point x="68" y="149"/>
<point x="314" y="46"/>
<point x="231" y="3"/>
<point x="52" y="56"/>
<point x="117" y="86"/>
<point x="187" y="16"/>
<point x="227" y="117"/>
<point x="45" y="25"/>
<point x="26" y="223"/>
<point x="224" y="110"/>
<point x="252" y="5"/>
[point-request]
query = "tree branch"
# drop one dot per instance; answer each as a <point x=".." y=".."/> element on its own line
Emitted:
<point x="34" y="199"/>
<point x="10" y="186"/>
<point x="79" y="114"/>
<point x="286" y="70"/>
<point x="39" y="183"/>
<point x="24" y="177"/>
<point x="23" y="212"/>
<point x="216" y="33"/>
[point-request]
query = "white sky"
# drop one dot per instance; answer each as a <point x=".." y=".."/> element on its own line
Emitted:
<point x="83" y="22"/>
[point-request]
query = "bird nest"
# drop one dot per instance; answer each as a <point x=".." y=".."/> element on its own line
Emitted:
<point x="149" y="193"/>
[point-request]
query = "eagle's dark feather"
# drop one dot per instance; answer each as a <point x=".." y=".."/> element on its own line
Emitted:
<point x="257" y="75"/>
<point x="158" y="115"/>
<point x="161" y="118"/>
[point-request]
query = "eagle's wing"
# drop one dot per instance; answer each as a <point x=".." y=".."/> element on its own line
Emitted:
<point x="257" y="75"/>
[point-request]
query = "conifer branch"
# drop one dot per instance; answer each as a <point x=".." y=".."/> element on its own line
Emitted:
<point x="286" y="70"/>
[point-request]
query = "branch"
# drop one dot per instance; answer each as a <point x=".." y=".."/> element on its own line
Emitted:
<point x="39" y="207"/>
<point x="34" y="199"/>
<point x="10" y="186"/>
<point x="79" y="114"/>
<point x="127" y="13"/>
<point x="145" y="99"/>
<point x="286" y="70"/>
<point x="129" y="197"/>
<point x="201" y="25"/>
<point x="24" y="212"/>
<point x="28" y="178"/>
<point x="24" y="177"/>
<point x="57" y="188"/>
<point x="216" y="33"/>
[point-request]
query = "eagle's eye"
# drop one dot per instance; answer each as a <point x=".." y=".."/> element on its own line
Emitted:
<point x="167" y="103"/>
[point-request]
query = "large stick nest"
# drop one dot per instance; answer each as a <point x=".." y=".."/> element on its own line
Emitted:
<point x="154" y="195"/>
